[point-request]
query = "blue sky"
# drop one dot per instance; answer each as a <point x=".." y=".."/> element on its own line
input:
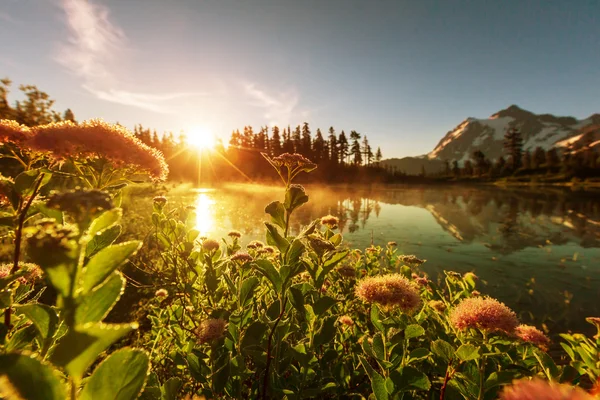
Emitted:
<point x="401" y="72"/>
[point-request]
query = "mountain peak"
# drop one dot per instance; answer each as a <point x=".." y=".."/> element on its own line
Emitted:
<point x="512" y="111"/>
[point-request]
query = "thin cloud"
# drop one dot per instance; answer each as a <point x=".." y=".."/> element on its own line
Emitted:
<point x="94" y="50"/>
<point x="278" y="109"/>
<point x="7" y="18"/>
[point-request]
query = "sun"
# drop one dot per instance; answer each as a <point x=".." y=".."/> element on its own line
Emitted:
<point x="201" y="138"/>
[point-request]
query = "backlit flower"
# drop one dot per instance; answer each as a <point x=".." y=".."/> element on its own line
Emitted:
<point x="293" y="160"/>
<point x="346" y="320"/>
<point x="392" y="290"/>
<point x="234" y="234"/>
<point x="596" y="322"/>
<point x="13" y="132"/>
<point x="161" y="293"/>
<point x="33" y="272"/>
<point x="437" y="305"/>
<point x="330" y="220"/>
<point x="392" y="244"/>
<point x="411" y="260"/>
<point x="242" y="257"/>
<point x="81" y="203"/>
<point x="483" y="313"/>
<point x="531" y="334"/>
<point x="255" y="244"/>
<point x="160" y="201"/>
<point x="210" y="245"/>
<point x="210" y="330"/>
<point x="536" y="389"/>
<point x="98" y="139"/>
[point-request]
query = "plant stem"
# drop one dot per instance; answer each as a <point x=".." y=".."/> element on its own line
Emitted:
<point x="446" y="379"/>
<point x="18" y="238"/>
<point x="268" y="366"/>
<point x="482" y="370"/>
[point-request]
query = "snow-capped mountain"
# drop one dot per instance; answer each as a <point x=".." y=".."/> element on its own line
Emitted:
<point x="543" y="130"/>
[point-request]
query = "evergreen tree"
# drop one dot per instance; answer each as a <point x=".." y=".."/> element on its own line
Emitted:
<point x="552" y="158"/>
<point x="355" y="150"/>
<point x="343" y="148"/>
<point x="236" y="139"/>
<point x="297" y="139"/>
<point x="455" y="169"/>
<point x="318" y="147"/>
<point x="539" y="157"/>
<point x="447" y="168"/>
<point x="365" y="149"/>
<point x="276" y="142"/>
<point x="333" y="146"/>
<point x="378" y="155"/>
<point x="526" y="160"/>
<point x="288" y="144"/>
<point x="68" y="115"/>
<point x="260" y="140"/>
<point x="248" y="138"/>
<point x="306" y="146"/>
<point x="481" y="163"/>
<point x="468" y="168"/>
<point x="6" y="111"/>
<point x="513" y="144"/>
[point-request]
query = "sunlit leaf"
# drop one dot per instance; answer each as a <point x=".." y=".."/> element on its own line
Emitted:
<point x="277" y="212"/>
<point x="29" y="379"/>
<point x="377" y="381"/>
<point x="44" y="319"/>
<point x="107" y="260"/>
<point x="95" y="305"/>
<point x="121" y="376"/>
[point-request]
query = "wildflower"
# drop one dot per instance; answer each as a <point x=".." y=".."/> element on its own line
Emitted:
<point x="372" y="250"/>
<point x="531" y="334"/>
<point x="437" y="305"/>
<point x="13" y="132"/>
<point x="392" y="244"/>
<point x="242" y="257"/>
<point x="453" y="274"/>
<point x="234" y="234"/>
<point x="210" y="330"/>
<point x="161" y="293"/>
<point x="52" y="244"/>
<point x="81" y="203"/>
<point x="34" y="273"/>
<point x="422" y="281"/>
<point x="97" y="139"/>
<point x="392" y="290"/>
<point x="330" y="220"/>
<point x="255" y="244"/>
<point x="536" y="388"/>
<point x="483" y="313"/>
<point x="347" y="271"/>
<point x="210" y="245"/>
<point x="596" y="322"/>
<point x="160" y="201"/>
<point x="475" y="293"/>
<point x="346" y="320"/>
<point x="293" y="160"/>
<point x="411" y="259"/>
<point x="267" y="250"/>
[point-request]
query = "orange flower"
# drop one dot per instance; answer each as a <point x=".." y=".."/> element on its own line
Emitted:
<point x="531" y="334"/>
<point x="210" y="330"/>
<point x="483" y="313"/>
<point x="13" y="132"/>
<point x="98" y="139"/>
<point x="392" y="290"/>
<point x="538" y="389"/>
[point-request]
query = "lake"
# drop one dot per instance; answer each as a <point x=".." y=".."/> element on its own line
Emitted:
<point x="537" y="250"/>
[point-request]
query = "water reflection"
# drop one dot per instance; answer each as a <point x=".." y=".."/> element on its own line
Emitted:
<point x="539" y="251"/>
<point x="205" y="216"/>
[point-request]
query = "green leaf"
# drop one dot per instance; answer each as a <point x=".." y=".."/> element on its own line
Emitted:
<point x="275" y="238"/>
<point x="442" y="349"/>
<point x="24" y="182"/>
<point x="550" y="368"/>
<point x="377" y="381"/>
<point x="29" y="378"/>
<point x="78" y="349"/>
<point x="294" y="252"/>
<point x="266" y="268"/>
<point x="419" y="353"/>
<point x="106" y="220"/>
<point x="413" y="331"/>
<point x="376" y="319"/>
<point x="467" y="352"/>
<point x="323" y="304"/>
<point x="277" y="212"/>
<point x="121" y="376"/>
<point x="44" y="319"/>
<point x="22" y="338"/>
<point x="335" y="259"/>
<point x="7" y="280"/>
<point x="295" y="196"/>
<point x="95" y="305"/>
<point x="171" y="388"/>
<point x="102" y="265"/>
<point x="247" y="289"/>
<point x="378" y="347"/>
<point x="409" y="378"/>
<point x="102" y="239"/>
<point x="253" y="335"/>
<point x="326" y="333"/>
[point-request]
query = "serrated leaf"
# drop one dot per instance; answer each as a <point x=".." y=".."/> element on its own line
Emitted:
<point x="121" y="376"/>
<point x="413" y="331"/>
<point x="95" y="305"/>
<point x="253" y="335"/>
<point x="78" y="349"/>
<point x="294" y="252"/>
<point x="377" y="381"/>
<point x="107" y="260"/>
<point x="326" y="333"/>
<point x="171" y="388"/>
<point x="321" y="306"/>
<point x="275" y="238"/>
<point x="295" y="196"/>
<point x="467" y="352"/>
<point x="30" y="379"/>
<point x="409" y="378"/>
<point x="442" y="349"/>
<point x="266" y="268"/>
<point x="378" y="347"/>
<point x="376" y="319"/>
<point x="24" y="182"/>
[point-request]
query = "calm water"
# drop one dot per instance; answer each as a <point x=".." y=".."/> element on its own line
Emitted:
<point x="538" y="251"/>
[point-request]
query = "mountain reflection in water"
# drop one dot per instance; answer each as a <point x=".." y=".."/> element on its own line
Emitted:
<point x="538" y="250"/>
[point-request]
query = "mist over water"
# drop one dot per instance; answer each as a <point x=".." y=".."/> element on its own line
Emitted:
<point x="538" y="250"/>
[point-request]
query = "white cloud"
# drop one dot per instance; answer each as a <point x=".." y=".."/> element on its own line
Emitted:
<point x="279" y="108"/>
<point x="6" y="18"/>
<point x="96" y="50"/>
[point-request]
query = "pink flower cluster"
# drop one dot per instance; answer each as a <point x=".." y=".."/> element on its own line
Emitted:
<point x="392" y="290"/>
<point x="484" y="313"/>
<point x="210" y="330"/>
<point x="531" y="334"/>
<point x="538" y="389"/>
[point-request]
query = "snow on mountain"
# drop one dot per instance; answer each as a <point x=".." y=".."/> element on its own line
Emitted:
<point x="487" y="135"/>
